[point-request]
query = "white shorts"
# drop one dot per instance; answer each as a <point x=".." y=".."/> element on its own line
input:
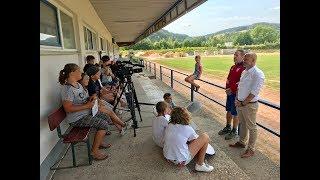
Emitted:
<point x="189" y="158"/>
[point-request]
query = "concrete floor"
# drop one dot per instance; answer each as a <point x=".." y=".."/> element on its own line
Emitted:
<point x="139" y="158"/>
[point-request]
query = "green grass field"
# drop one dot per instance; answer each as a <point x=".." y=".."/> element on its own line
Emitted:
<point x="218" y="67"/>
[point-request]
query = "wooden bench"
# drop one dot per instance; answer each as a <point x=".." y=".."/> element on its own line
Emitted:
<point x="73" y="136"/>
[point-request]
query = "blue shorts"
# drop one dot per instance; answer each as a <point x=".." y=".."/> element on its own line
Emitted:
<point x="230" y="105"/>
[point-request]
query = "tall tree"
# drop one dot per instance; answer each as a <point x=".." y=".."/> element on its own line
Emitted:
<point x="263" y="34"/>
<point x="243" y="38"/>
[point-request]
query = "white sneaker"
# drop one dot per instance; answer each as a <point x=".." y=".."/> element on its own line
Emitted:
<point x="204" y="167"/>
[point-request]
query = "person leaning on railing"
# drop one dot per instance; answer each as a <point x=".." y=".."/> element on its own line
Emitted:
<point x="196" y="74"/>
<point x="251" y="82"/>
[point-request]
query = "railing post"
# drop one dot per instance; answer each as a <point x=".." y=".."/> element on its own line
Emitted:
<point x="192" y="91"/>
<point x="171" y="78"/>
<point x="161" y="73"/>
<point x="150" y="67"/>
<point x="155" y="71"/>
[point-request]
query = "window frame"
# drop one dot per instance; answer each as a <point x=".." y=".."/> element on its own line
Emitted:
<point x="58" y="8"/>
<point x="102" y="42"/>
<point x="73" y="26"/>
<point x="58" y="26"/>
<point x="92" y="32"/>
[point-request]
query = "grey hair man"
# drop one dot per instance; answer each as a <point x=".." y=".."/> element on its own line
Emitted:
<point x="250" y="84"/>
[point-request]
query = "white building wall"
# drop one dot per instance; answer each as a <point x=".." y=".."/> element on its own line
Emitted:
<point x="52" y="61"/>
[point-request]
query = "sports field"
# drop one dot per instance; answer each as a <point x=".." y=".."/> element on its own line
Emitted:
<point x="218" y="66"/>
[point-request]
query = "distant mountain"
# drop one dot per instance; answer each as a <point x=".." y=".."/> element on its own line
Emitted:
<point x="164" y="39"/>
<point x="242" y="28"/>
<point x="164" y="34"/>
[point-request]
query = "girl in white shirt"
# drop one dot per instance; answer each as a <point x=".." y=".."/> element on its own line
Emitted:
<point x="181" y="142"/>
<point x="160" y="123"/>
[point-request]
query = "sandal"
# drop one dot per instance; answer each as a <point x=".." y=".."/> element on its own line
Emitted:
<point x="104" y="146"/>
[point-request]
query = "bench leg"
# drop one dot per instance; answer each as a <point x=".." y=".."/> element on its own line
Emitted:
<point x="89" y="151"/>
<point x="73" y="155"/>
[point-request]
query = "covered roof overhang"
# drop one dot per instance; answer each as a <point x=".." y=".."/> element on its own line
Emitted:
<point x="130" y="21"/>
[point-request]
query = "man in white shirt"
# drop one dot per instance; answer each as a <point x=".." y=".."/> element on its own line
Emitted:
<point x="251" y="82"/>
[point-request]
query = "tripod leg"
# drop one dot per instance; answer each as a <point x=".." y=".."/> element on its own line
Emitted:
<point x="136" y="101"/>
<point x="130" y="101"/>
<point x="118" y="99"/>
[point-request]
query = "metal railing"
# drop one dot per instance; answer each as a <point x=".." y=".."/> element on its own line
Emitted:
<point x="148" y="66"/>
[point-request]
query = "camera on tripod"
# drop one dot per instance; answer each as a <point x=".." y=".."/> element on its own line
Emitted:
<point x="127" y="68"/>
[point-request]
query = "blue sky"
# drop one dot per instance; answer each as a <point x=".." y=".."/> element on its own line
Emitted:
<point x="216" y="15"/>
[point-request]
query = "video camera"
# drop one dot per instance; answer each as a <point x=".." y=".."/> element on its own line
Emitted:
<point x="126" y="68"/>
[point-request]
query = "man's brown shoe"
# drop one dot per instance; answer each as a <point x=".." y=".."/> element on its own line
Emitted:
<point x="237" y="145"/>
<point x="247" y="153"/>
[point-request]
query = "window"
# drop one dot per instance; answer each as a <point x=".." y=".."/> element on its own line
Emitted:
<point x="102" y="45"/>
<point x="94" y="41"/>
<point x="107" y="48"/>
<point x="67" y="31"/>
<point x="85" y="37"/>
<point x="56" y="27"/>
<point x="90" y="39"/>
<point x="49" y="29"/>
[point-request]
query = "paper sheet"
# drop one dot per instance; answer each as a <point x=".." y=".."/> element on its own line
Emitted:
<point x="100" y="83"/>
<point x="95" y="108"/>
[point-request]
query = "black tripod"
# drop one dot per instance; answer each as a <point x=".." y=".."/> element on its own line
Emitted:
<point x="132" y="100"/>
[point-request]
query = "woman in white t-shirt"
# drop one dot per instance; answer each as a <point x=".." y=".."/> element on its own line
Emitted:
<point x="181" y="142"/>
<point x="160" y="123"/>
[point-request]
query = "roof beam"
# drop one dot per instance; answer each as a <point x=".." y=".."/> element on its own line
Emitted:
<point x="120" y="44"/>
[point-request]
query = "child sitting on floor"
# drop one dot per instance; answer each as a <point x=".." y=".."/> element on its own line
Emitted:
<point x="160" y="123"/>
<point x="181" y="142"/>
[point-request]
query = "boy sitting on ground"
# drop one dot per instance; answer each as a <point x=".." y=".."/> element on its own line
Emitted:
<point x="160" y="123"/>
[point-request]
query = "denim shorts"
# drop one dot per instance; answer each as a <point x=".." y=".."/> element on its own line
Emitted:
<point x="230" y="105"/>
